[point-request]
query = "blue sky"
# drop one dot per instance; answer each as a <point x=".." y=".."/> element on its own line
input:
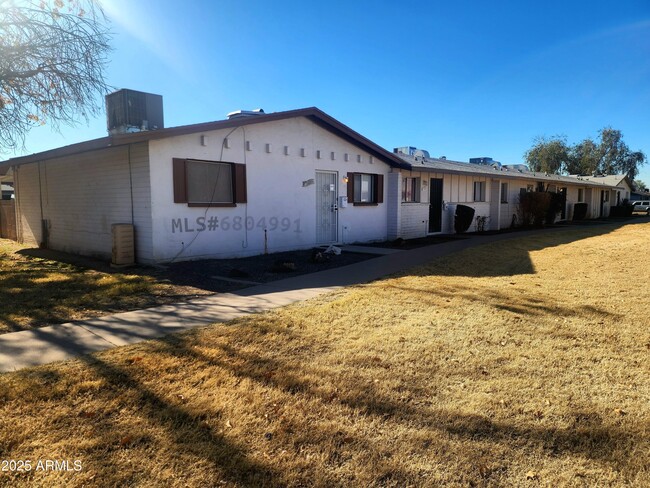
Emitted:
<point x="460" y="79"/>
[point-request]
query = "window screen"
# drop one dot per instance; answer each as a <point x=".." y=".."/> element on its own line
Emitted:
<point x="411" y="190"/>
<point x="479" y="191"/>
<point x="209" y="182"/>
<point x="363" y="188"/>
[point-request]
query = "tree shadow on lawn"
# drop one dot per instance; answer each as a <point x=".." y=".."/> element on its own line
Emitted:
<point x="521" y="304"/>
<point x="187" y="434"/>
<point x="591" y="439"/>
<point x="217" y="275"/>
<point x="33" y="297"/>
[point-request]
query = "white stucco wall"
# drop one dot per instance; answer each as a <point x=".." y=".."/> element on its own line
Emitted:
<point x="281" y="197"/>
<point x="80" y="197"/>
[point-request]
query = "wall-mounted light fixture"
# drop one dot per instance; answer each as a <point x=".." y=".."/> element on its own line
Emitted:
<point x="345" y="179"/>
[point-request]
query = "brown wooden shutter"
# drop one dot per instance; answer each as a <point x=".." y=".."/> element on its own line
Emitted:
<point x="180" y="181"/>
<point x="239" y="183"/>
<point x="350" y="187"/>
<point x="379" y="190"/>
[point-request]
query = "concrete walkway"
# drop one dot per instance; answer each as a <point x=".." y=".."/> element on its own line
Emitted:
<point x="60" y="342"/>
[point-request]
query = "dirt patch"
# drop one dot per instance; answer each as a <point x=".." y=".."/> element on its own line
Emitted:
<point x="407" y="244"/>
<point x="221" y="275"/>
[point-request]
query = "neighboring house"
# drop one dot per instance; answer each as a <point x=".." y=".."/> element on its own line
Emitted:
<point x="637" y="195"/>
<point x="431" y="188"/>
<point x="250" y="184"/>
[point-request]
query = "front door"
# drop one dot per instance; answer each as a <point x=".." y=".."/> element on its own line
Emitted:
<point x="435" y="205"/>
<point x="326" y="207"/>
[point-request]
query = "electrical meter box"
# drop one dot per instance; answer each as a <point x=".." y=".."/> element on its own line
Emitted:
<point x="343" y="202"/>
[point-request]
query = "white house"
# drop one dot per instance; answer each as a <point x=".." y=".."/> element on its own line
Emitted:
<point x="250" y="184"/>
<point x="257" y="183"/>
<point x="430" y="189"/>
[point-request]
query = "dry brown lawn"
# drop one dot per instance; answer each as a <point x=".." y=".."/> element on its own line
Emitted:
<point x="35" y="291"/>
<point x="524" y="363"/>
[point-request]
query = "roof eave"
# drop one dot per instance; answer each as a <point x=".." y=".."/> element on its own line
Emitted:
<point x="312" y="113"/>
<point x="522" y="176"/>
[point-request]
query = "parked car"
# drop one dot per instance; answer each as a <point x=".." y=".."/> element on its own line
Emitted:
<point x="641" y="206"/>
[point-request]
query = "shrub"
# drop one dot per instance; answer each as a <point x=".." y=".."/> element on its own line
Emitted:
<point x="534" y="208"/>
<point x="621" y="211"/>
<point x="481" y="223"/>
<point x="463" y="218"/>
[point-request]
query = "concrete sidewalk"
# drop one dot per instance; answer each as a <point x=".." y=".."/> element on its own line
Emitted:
<point x="60" y="342"/>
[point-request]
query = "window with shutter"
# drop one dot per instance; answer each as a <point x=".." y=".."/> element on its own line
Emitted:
<point x="365" y="188"/>
<point x="209" y="183"/>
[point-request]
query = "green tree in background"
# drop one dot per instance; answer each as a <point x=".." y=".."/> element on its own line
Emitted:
<point x="548" y="155"/>
<point x="584" y="158"/>
<point x="609" y="155"/>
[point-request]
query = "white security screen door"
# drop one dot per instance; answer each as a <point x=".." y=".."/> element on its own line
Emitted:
<point x="326" y="207"/>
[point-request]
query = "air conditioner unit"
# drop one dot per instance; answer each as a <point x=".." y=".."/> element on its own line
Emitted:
<point x="133" y="111"/>
<point x="123" y="245"/>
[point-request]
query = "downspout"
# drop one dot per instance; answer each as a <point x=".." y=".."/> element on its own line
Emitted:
<point x="19" y="221"/>
<point x="44" y="239"/>
<point x="135" y="246"/>
<point x="131" y="185"/>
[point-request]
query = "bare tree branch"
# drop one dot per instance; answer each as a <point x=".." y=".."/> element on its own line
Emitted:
<point x="53" y="56"/>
